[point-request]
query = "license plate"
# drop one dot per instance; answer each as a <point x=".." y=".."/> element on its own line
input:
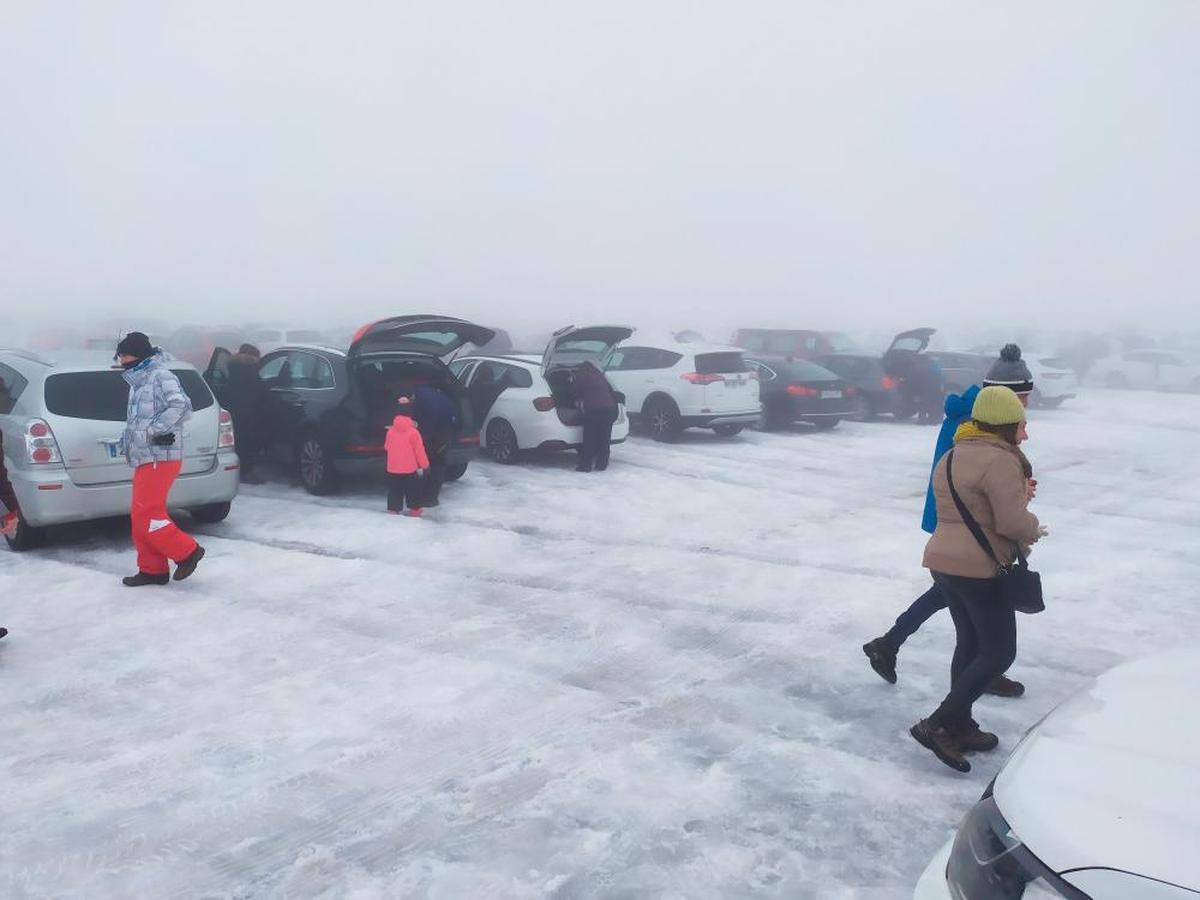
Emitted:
<point x="735" y="382"/>
<point x="831" y="395"/>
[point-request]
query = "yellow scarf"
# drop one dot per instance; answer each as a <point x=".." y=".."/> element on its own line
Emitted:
<point x="970" y="430"/>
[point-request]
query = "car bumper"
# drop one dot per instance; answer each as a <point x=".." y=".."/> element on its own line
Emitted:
<point x="547" y="432"/>
<point x="709" y="420"/>
<point x="932" y="885"/>
<point x="51" y="498"/>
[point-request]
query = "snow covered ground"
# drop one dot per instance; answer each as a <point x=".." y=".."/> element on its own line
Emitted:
<point x="641" y="683"/>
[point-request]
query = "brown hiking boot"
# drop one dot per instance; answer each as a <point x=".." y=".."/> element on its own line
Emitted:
<point x="1001" y="686"/>
<point x="972" y="739"/>
<point x="942" y="743"/>
<point x="882" y="658"/>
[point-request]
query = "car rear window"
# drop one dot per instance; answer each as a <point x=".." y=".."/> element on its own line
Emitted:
<point x="720" y="363"/>
<point x="104" y="396"/>
<point x="806" y="371"/>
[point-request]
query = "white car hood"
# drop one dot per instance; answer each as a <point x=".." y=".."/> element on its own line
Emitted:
<point x="1111" y="778"/>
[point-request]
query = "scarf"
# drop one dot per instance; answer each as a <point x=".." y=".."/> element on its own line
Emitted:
<point x="970" y="431"/>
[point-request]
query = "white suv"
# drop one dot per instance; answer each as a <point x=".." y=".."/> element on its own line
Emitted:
<point x="670" y="385"/>
<point x="61" y="420"/>
<point x="526" y="402"/>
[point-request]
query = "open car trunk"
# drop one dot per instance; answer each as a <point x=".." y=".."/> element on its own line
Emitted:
<point x="568" y="349"/>
<point x="381" y="377"/>
<point x="436" y="336"/>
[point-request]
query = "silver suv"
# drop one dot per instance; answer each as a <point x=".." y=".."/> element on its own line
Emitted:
<point x="61" y="419"/>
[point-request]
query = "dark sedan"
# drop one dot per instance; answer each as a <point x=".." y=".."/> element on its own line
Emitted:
<point x="795" y="390"/>
<point x="879" y="393"/>
<point x="325" y="410"/>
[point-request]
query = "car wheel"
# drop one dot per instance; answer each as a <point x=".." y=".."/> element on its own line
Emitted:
<point x="727" y="430"/>
<point x="455" y="472"/>
<point x="662" y="419"/>
<point x="315" y="465"/>
<point x="502" y="443"/>
<point x="212" y="513"/>
<point x="1116" y="381"/>
<point x="27" y="537"/>
<point x="826" y="424"/>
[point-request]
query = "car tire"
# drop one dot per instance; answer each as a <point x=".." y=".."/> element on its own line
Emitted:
<point x="27" y="537"/>
<point x="314" y="466"/>
<point x="727" y="430"/>
<point x="212" y="513"/>
<point x="1116" y="381"/>
<point x="826" y="424"/>
<point x="502" y="445"/>
<point x="662" y="419"/>
<point x="455" y="472"/>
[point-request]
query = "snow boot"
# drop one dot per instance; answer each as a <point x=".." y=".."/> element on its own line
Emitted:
<point x="1001" y="686"/>
<point x="3" y="632"/>
<point x="972" y="739"/>
<point x="143" y="578"/>
<point x="882" y="658"/>
<point x="941" y="743"/>
<point x="414" y="513"/>
<point x="187" y="566"/>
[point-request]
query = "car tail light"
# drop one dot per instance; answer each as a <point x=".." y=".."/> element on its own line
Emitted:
<point x="851" y="391"/>
<point x="225" y="435"/>
<point x="544" y="404"/>
<point x="888" y="383"/>
<point x="41" y="449"/>
<point x="697" y="378"/>
<point x="800" y="390"/>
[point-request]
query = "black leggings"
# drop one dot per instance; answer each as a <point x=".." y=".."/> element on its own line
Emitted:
<point x="986" y="643"/>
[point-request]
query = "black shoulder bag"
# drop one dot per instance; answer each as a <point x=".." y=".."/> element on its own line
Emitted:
<point x="1020" y="586"/>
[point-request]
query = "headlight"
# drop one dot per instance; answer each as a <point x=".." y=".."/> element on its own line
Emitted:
<point x="989" y="862"/>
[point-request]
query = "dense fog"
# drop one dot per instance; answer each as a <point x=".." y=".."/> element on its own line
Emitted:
<point x="984" y="169"/>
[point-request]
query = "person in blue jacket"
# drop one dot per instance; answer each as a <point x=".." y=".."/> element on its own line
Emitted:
<point x="1010" y="371"/>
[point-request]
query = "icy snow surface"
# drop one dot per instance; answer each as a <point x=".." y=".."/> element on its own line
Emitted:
<point x="645" y="683"/>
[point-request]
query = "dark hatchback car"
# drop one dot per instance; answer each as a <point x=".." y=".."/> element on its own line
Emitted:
<point x="797" y="390"/>
<point x="878" y="392"/>
<point x="784" y="343"/>
<point x="326" y="410"/>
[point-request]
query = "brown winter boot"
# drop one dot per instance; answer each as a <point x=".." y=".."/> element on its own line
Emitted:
<point x="942" y="743"/>
<point x="1001" y="686"/>
<point x="972" y="739"/>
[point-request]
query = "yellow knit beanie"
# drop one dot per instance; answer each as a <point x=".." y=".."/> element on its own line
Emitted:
<point x="998" y="405"/>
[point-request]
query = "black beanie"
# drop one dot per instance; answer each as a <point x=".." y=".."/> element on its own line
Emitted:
<point x="135" y="344"/>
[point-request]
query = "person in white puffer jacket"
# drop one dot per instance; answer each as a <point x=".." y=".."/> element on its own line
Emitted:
<point x="153" y="446"/>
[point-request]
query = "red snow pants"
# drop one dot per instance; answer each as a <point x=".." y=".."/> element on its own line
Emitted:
<point x="156" y="538"/>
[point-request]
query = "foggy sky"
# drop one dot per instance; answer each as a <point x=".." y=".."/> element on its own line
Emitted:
<point x="777" y="163"/>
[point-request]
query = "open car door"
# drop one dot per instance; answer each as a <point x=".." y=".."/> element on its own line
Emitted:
<point x="430" y="335"/>
<point x="217" y="373"/>
<point x="915" y="341"/>
<point x="570" y="346"/>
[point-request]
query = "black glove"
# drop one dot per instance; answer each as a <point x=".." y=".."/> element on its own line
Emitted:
<point x="163" y="440"/>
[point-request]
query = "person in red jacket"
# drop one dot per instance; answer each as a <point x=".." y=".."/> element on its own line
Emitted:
<point x="8" y="505"/>
<point x="406" y="461"/>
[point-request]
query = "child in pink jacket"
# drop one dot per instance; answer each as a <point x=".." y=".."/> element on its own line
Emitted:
<point x="406" y="462"/>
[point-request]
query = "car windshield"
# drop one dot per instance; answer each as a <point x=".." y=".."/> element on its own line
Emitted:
<point x="104" y="396"/>
<point x="840" y="343"/>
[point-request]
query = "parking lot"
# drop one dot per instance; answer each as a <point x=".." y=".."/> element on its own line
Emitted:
<point x="641" y="682"/>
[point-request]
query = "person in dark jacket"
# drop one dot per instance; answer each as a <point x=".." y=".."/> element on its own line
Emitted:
<point x="9" y="507"/>
<point x="597" y="404"/>
<point x="436" y="415"/>
<point x="244" y="397"/>
<point x="1008" y="371"/>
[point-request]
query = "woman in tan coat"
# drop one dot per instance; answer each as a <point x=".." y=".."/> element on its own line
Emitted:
<point x="991" y="476"/>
